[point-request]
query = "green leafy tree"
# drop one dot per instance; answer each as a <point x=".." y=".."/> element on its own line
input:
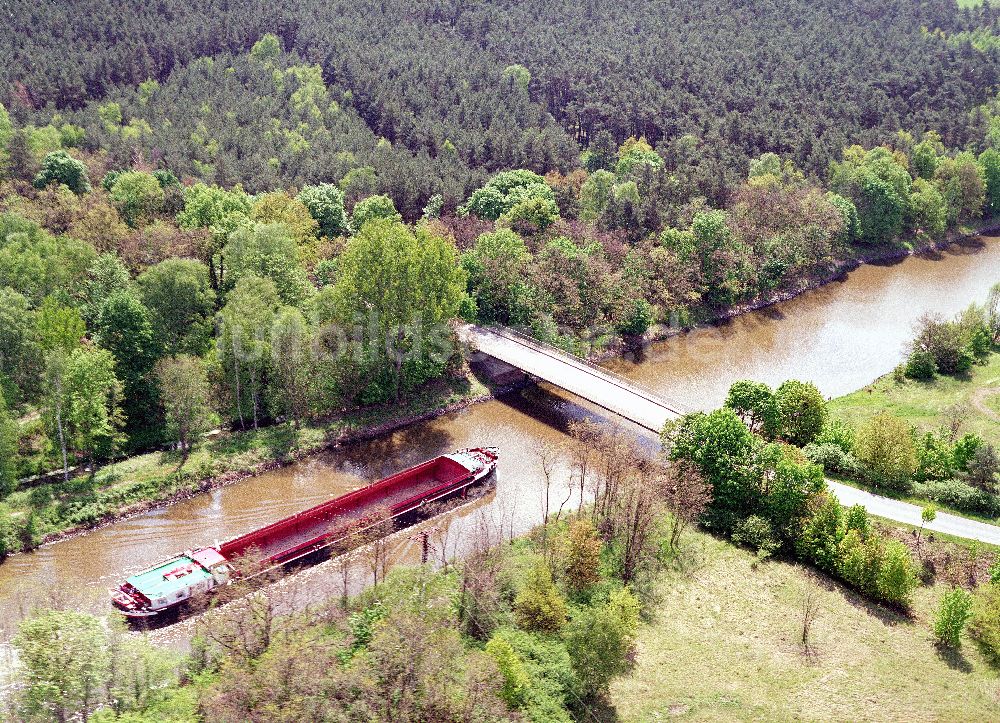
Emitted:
<point x="184" y="396"/>
<point x="8" y="450"/>
<point x="504" y="191"/>
<point x="279" y="207"/>
<point x="886" y="449"/>
<point x="60" y="167"/>
<point x="518" y="75"/>
<point x="925" y="156"/>
<point x="107" y="275"/>
<point x="878" y="184"/>
<point x="374" y="208"/>
<point x="59" y="326"/>
<point x="124" y="328"/>
<point x="596" y="194"/>
<point x="851" y="229"/>
<point x="756" y="405"/>
<point x="93" y="395"/>
<point x="406" y="286"/>
<point x="928" y="210"/>
<point x="635" y="153"/>
<point x="537" y="213"/>
<point x="497" y="267"/>
<point x="20" y="354"/>
<point x="723" y="449"/>
<point x="65" y="665"/>
<point x="325" y="203"/>
<point x="803" y="411"/>
<point x="989" y="161"/>
<point x="269" y="252"/>
<point x="137" y="195"/>
<point x="962" y="184"/>
<point x="291" y="338"/>
<point x="951" y="617"/>
<point x="244" y="344"/>
<point x="181" y="303"/>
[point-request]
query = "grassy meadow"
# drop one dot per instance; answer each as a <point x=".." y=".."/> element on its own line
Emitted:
<point x="725" y="643"/>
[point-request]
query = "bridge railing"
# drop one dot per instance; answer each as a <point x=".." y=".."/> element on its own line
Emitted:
<point x="596" y="369"/>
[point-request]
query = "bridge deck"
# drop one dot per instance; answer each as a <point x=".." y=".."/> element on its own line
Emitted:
<point x="574" y="375"/>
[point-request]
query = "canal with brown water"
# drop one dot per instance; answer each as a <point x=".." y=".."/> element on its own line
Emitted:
<point x="840" y="336"/>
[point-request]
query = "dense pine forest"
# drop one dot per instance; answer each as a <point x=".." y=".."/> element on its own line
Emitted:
<point x="241" y="215"/>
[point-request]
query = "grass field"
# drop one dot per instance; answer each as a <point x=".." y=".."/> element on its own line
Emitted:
<point x="725" y="644"/>
<point x="924" y="404"/>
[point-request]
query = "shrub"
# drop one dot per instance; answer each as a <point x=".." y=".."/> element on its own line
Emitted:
<point x="886" y="451"/>
<point x="920" y="365"/>
<point x="821" y="535"/>
<point x="583" y="557"/>
<point x="756" y="533"/>
<point x="984" y="626"/>
<point x="881" y="569"/>
<point x="958" y="495"/>
<point x="982" y="468"/>
<point x="897" y="575"/>
<point x="837" y="433"/>
<point x="951" y="616"/>
<point x="832" y="457"/>
<point x="550" y="673"/>
<point x="539" y="606"/>
<point x="600" y="641"/>
<point x="515" y="679"/>
<point x="803" y="411"/>
<point x="935" y="458"/>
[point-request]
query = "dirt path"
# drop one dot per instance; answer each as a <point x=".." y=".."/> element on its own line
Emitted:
<point x="980" y="396"/>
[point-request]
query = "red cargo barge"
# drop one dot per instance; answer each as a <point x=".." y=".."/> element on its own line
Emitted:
<point x="169" y="584"/>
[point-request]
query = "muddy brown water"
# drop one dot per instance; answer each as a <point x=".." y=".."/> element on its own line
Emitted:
<point x="840" y="336"/>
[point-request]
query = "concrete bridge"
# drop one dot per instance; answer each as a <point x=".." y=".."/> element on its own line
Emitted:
<point x="589" y="381"/>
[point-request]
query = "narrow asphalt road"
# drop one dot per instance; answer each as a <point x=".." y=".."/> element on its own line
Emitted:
<point x="910" y="514"/>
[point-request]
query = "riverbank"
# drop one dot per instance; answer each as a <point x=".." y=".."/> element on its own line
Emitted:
<point x="130" y="487"/>
<point x="148" y="481"/>
<point x="883" y="254"/>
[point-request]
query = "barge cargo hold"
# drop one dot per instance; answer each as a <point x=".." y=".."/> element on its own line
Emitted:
<point x="168" y="585"/>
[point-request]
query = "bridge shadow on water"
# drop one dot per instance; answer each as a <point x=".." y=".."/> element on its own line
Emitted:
<point x="559" y="409"/>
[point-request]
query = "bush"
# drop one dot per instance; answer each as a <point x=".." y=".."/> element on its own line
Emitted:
<point x="803" y="411"/>
<point x="959" y="495"/>
<point x="838" y="433"/>
<point x="951" y="616"/>
<point x="984" y="626"/>
<point x="881" y="569"/>
<point x="600" y="642"/>
<point x="832" y="457"/>
<point x="756" y="533"/>
<point x="821" y="535"/>
<point x="539" y="606"/>
<point x="920" y="365"/>
<point x="886" y="451"/>
<point x="583" y="556"/>
<point x="515" y="679"/>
